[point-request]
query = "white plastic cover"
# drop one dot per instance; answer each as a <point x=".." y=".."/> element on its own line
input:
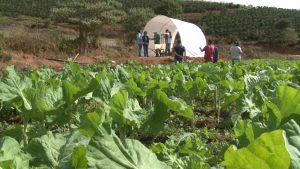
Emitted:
<point x="191" y="35"/>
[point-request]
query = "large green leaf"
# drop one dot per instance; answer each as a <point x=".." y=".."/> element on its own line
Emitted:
<point x="45" y="100"/>
<point x="247" y="103"/>
<point x="90" y="123"/>
<point x="292" y="130"/>
<point x="272" y="114"/>
<point x="107" y="151"/>
<point x="154" y="123"/>
<point x="12" y="86"/>
<point x="178" y="105"/>
<point x="247" y="131"/>
<point x="175" y="104"/>
<point x="184" y="152"/>
<point x="288" y="102"/>
<point x="78" y="83"/>
<point x="196" y="87"/>
<point x="230" y="98"/>
<point x="11" y="155"/>
<point x="191" y="162"/>
<point x="72" y="91"/>
<point x="105" y="90"/>
<point x="251" y="81"/>
<point x="13" y="131"/>
<point x="68" y="152"/>
<point x="79" y="160"/>
<point x="45" y="150"/>
<point x="126" y="111"/>
<point x="121" y="73"/>
<point x="191" y="144"/>
<point x="266" y="152"/>
<point x="135" y="89"/>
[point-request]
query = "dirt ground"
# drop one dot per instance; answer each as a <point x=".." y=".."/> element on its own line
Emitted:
<point x="22" y="60"/>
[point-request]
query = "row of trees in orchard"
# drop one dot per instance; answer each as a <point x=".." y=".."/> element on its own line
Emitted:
<point x="263" y="24"/>
<point x="36" y="8"/>
<point x="42" y="8"/>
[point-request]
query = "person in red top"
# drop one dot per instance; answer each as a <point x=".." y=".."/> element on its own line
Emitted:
<point x="209" y="51"/>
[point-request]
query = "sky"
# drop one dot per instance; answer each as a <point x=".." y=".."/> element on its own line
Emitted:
<point x="288" y="4"/>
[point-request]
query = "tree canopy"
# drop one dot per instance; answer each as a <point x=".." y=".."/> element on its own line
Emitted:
<point x="89" y="15"/>
<point x="135" y="20"/>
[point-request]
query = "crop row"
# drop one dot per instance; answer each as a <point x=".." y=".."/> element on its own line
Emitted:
<point x="98" y="116"/>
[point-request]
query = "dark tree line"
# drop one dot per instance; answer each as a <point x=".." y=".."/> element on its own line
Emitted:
<point x="266" y="25"/>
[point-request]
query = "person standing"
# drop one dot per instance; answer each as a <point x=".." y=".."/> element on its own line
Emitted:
<point x="179" y="51"/>
<point x="139" y="42"/>
<point x="168" y="42"/>
<point x="208" y="51"/>
<point x="216" y="54"/>
<point x="145" y="43"/>
<point x="157" y="44"/>
<point x="235" y="52"/>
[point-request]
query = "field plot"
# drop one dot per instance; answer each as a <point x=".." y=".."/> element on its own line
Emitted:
<point x="134" y="116"/>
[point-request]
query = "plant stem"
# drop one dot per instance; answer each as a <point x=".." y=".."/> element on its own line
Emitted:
<point x="217" y="106"/>
<point x="25" y="137"/>
<point x="123" y="133"/>
<point x="193" y="120"/>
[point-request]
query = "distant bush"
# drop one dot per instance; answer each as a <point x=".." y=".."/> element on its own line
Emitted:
<point x="169" y="8"/>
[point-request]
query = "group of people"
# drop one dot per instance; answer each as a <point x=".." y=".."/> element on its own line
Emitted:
<point x="143" y="43"/>
<point x="211" y="51"/>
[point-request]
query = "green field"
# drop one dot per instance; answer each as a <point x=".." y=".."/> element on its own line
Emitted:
<point x="186" y="115"/>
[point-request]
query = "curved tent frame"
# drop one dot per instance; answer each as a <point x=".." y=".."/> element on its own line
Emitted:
<point x="191" y="35"/>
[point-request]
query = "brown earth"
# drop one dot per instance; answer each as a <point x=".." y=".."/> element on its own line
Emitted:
<point x="22" y="60"/>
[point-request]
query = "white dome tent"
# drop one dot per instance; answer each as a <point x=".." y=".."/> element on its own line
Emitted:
<point x="191" y="35"/>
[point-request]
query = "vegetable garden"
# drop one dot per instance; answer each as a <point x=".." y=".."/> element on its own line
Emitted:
<point x="181" y="116"/>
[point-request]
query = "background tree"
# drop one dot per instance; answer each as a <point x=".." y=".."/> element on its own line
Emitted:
<point x="285" y="34"/>
<point x="135" y="20"/>
<point x="89" y="15"/>
<point x="168" y="7"/>
<point x="282" y="24"/>
<point x="289" y="36"/>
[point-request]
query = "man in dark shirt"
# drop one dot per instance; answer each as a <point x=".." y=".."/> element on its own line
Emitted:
<point x="179" y="51"/>
<point x="145" y="39"/>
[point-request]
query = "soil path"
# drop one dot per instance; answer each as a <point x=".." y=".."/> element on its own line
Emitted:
<point x="30" y="61"/>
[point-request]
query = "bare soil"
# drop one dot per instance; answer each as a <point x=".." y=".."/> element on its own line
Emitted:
<point x="22" y="60"/>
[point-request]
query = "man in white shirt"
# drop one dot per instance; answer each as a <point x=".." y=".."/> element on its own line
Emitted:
<point x="168" y="42"/>
<point x="236" y="51"/>
<point x="139" y="40"/>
